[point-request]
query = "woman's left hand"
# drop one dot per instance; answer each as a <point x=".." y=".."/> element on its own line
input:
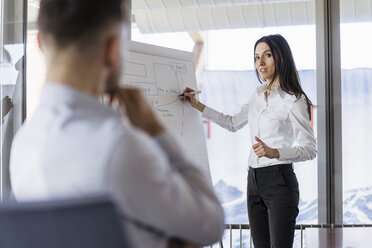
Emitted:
<point x="262" y="150"/>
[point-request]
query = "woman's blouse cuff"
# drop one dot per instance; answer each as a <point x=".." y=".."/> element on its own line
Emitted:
<point x="287" y="153"/>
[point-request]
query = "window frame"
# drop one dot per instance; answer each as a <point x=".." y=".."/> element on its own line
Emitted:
<point x="329" y="114"/>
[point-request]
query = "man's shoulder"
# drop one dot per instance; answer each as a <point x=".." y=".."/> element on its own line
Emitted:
<point x="132" y="136"/>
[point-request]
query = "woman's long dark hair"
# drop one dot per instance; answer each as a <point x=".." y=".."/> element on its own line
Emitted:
<point x="285" y="68"/>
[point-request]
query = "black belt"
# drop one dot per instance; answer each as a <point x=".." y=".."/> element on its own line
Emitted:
<point x="274" y="167"/>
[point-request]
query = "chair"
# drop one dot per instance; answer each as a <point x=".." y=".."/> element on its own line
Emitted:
<point x="75" y="223"/>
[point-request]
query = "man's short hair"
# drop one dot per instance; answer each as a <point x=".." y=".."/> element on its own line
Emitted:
<point x="78" y="21"/>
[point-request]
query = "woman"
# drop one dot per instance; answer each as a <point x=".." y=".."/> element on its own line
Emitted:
<point x="278" y="115"/>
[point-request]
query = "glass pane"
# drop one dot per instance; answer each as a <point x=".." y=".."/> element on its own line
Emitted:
<point x="35" y="60"/>
<point x="179" y="40"/>
<point x="12" y="82"/>
<point x="356" y="73"/>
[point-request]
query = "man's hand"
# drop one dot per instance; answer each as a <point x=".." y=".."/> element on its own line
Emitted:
<point x="262" y="150"/>
<point x="139" y="112"/>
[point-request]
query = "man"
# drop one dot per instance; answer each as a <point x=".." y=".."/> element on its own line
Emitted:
<point x="75" y="146"/>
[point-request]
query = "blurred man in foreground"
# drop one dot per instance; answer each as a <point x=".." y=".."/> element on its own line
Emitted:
<point x="74" y="146"/>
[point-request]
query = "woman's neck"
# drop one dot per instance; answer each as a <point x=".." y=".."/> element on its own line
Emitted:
<point x="273" y="84"/>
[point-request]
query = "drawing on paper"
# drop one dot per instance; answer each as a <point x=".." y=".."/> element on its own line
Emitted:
<point x="161" y="83"/>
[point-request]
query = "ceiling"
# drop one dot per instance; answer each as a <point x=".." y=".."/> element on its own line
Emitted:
<point x="156" y="16"/>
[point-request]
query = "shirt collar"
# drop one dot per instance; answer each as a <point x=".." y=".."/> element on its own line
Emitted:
<point x="276" y="90"/>
<point x="57" y="94"/>
<point x="261" y="89"/>
<point x="281" y="92"/>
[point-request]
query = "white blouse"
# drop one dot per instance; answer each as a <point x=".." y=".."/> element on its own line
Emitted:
<point x="281" y="122"/>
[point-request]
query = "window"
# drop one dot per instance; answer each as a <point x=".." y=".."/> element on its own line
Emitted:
<point x="356" y="81"/>
<point x="179" y="40"/>
<point x="12" y="48"/>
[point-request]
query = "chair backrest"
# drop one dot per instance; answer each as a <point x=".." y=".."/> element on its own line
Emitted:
<point x="75" y="223"/>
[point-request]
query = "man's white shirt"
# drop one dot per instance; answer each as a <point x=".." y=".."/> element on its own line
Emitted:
<point x="74" y="146"/>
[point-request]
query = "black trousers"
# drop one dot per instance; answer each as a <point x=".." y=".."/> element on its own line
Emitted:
<point x="272" y="200"/>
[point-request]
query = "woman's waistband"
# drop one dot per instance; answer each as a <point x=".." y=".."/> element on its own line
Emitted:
<point x="274" y="167"/>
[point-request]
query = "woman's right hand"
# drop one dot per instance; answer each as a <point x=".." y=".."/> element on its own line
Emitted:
<point x="188" y="97"/>
<point x="192" y="99"/>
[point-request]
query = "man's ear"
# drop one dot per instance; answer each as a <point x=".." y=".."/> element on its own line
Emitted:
<point x="112" y="53"/>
